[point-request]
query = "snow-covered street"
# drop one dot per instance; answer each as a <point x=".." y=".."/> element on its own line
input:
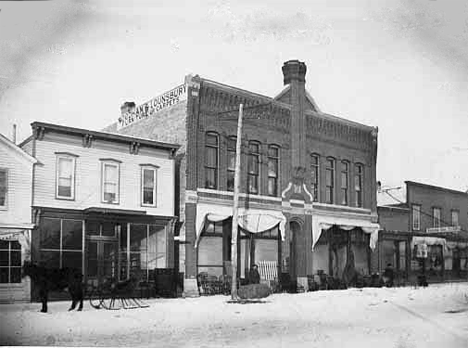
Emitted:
<point x="398" y="317"/>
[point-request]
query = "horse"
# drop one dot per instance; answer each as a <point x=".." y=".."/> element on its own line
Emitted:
<point x="49" y="279"/>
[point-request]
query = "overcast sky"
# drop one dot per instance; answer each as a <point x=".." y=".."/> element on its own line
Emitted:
<point x="401" y="65"/>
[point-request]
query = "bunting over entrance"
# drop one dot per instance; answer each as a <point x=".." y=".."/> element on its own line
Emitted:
<point x="252" y="220"/>
<point x="320" y="222"/>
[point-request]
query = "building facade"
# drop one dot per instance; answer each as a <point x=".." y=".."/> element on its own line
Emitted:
<point x="434" y="218"/>
<point x="308" y="188"/>
<point x="103" y="203"/>
<point x="16" y="173"/>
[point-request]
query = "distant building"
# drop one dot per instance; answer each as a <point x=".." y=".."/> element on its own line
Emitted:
<point x="16" y="173"/>
<point x="308" y="187"/>
<point x="103" y="203"/>
<point x="432" y="216"/>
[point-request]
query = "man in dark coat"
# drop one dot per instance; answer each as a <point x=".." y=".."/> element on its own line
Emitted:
<point x="388" y="276"/>
<point x="254" y="276"/>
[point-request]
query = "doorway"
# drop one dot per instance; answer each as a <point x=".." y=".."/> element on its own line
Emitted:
<point x="102" y="261"/>
<point x="295" y="230"/>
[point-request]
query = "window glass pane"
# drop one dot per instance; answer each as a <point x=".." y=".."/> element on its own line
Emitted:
<point x="108" y="229"/>
<point x="4" y="258"/>
<point x="93" y="228"/>
<point x="72" y="259"/>
<point x="15" y="275"/>
<point x="273" y="151"/>
<point x="210" y="251"/>
<point x="272" y="167"/>
<point x="136" y="264"/>
<point x="50" y="233"/>
<point x="65" y="167"/>
<point x="211" y="157"/>
<point x="211" y="139"/>
<point x="138" y="237"/>
<point x="123" y="237"/>
<point x="148" y="178"/>
<point x="210" y="178"/>
<point x="15" y="258"/>
<point x="231" y="160"/>
<point x="230" y="181"/>
<point x="4" y="244"/>
<point x="14" y="244"/>
<point x="50" y="259"/>
<point x="157" y="243"/>
<point x="4" y="275"/>
<point x="344" y="180"/>
<point x="3" y="187"/>
<point x="123" y="265"/>
<point x="72" y="234"/>
<point x="329" y="178"/>
<point x="272" y="186"/>
<point x="148" y="196"/>
<point x="110" y="174"/>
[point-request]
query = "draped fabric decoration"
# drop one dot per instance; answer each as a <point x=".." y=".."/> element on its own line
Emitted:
<point x="252" y="220"/>
<point x="320" y="223"/>
<point x="429" y="241"/>
<point x="459" y="245"/>
<point x="21" y="236"/>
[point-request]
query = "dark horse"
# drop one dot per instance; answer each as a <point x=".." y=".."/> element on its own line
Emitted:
<point x="48" y="279"/>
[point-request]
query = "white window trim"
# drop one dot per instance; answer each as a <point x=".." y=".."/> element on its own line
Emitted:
<point x="5" y="206"/>
<point x="155" y="188"/>
<point x="57" y="177"/>
<point x="103" y="165"/>
<point x="413" y="220"/>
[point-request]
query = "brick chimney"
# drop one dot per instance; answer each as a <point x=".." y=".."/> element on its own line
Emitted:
<point x="294" y="73"/>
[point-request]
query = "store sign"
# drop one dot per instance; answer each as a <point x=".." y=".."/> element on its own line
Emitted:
<point x="161" y="102"/>
<point x="445" y="229"/>
<point x="421" y="250"/>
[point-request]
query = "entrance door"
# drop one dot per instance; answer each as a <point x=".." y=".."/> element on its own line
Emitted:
<point x="102" y="261"/>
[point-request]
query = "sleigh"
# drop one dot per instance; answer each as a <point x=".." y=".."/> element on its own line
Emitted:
<point x="115" y="295"/>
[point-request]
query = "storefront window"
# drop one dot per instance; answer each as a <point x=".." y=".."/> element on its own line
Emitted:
<point x="61" y="243"/>
<point x="10" y="262"/>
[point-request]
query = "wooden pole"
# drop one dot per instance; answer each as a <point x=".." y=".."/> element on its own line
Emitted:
<point x="235" y="211"/>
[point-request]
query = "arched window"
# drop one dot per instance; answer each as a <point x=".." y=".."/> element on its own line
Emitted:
<point x="211" y="160"/>
<point x="314" y="175"/>
<point x="344" y="182"/>
<point x="273" y="170"/>
<point x="253" y="167"/>
<point x="231" y="165"/>
<point x="329" y="180"/>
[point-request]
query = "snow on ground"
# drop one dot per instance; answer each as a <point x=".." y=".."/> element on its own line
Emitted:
<point x="395" y="317"/>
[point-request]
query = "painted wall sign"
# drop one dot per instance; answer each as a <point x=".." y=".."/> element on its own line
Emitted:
<point x="143" y="111"/>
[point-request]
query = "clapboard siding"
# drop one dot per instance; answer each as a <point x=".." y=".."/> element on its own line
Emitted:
<point x="18" y="209"/>
<point x="88" y="174"/>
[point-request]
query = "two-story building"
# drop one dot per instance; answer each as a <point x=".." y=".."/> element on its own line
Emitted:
<point x="308" y="187"/>
<point x="103" y="203"/>
<point x="16" y="173"/>
<point x="436" y="219"/>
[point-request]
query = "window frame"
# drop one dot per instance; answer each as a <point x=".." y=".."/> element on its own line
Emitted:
<point x="276" y="177"/>
<point x="330" y="189"/>
<point x="10" y="266"/>
<point x="434" y="219"/>
<point x="344" y="190"/>
<point x="452" y="211"/>
<point x="230" y="171"/>
<point x="315" y="167"/>
<point x="413" y="217"/>
<point x="359" y="194"/>
<point x="65" y="156"/>
<point x="5" y="206"/>
<point x="115" y="163"/>
<point x="216" y="167"/>
<point x="154" y="169"/>
<point x="251" y="174"/>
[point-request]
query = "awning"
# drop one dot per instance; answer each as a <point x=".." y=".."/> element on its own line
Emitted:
<point x="428" y="241"/>
<point x="252" y="220"/>
<point x="456" y="244"/>
<point x="22" y="236"/>
<point x="321" y="222"/>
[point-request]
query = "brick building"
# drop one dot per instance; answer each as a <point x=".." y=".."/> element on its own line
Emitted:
<point x="308" y="187"/>
<point x="102" y="203"/>
<point x="433" y="217"/>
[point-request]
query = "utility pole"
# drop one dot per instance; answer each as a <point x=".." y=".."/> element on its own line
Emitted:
<point x="235" y="210"/>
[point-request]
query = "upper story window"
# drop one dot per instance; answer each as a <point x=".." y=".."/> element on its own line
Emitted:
<point x="149" y="176"/>
<point x="211" y="160"/>
<point x="358" y="180"/>
<point x="3" y="188"/>
<point x="455" y="217"/>
<point x="110" y="181"/>
<point x="329" y="180"/>
<point x="314" y="176"/>
<point x="344" y="182"/>
<point x="273" y="170"/>
<point x="65" y="176"/>
<point x="436" y="212"/>
<point x="231" y="165"/>
<point x="416" y="217"/>
<point x="253" y="167"/>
